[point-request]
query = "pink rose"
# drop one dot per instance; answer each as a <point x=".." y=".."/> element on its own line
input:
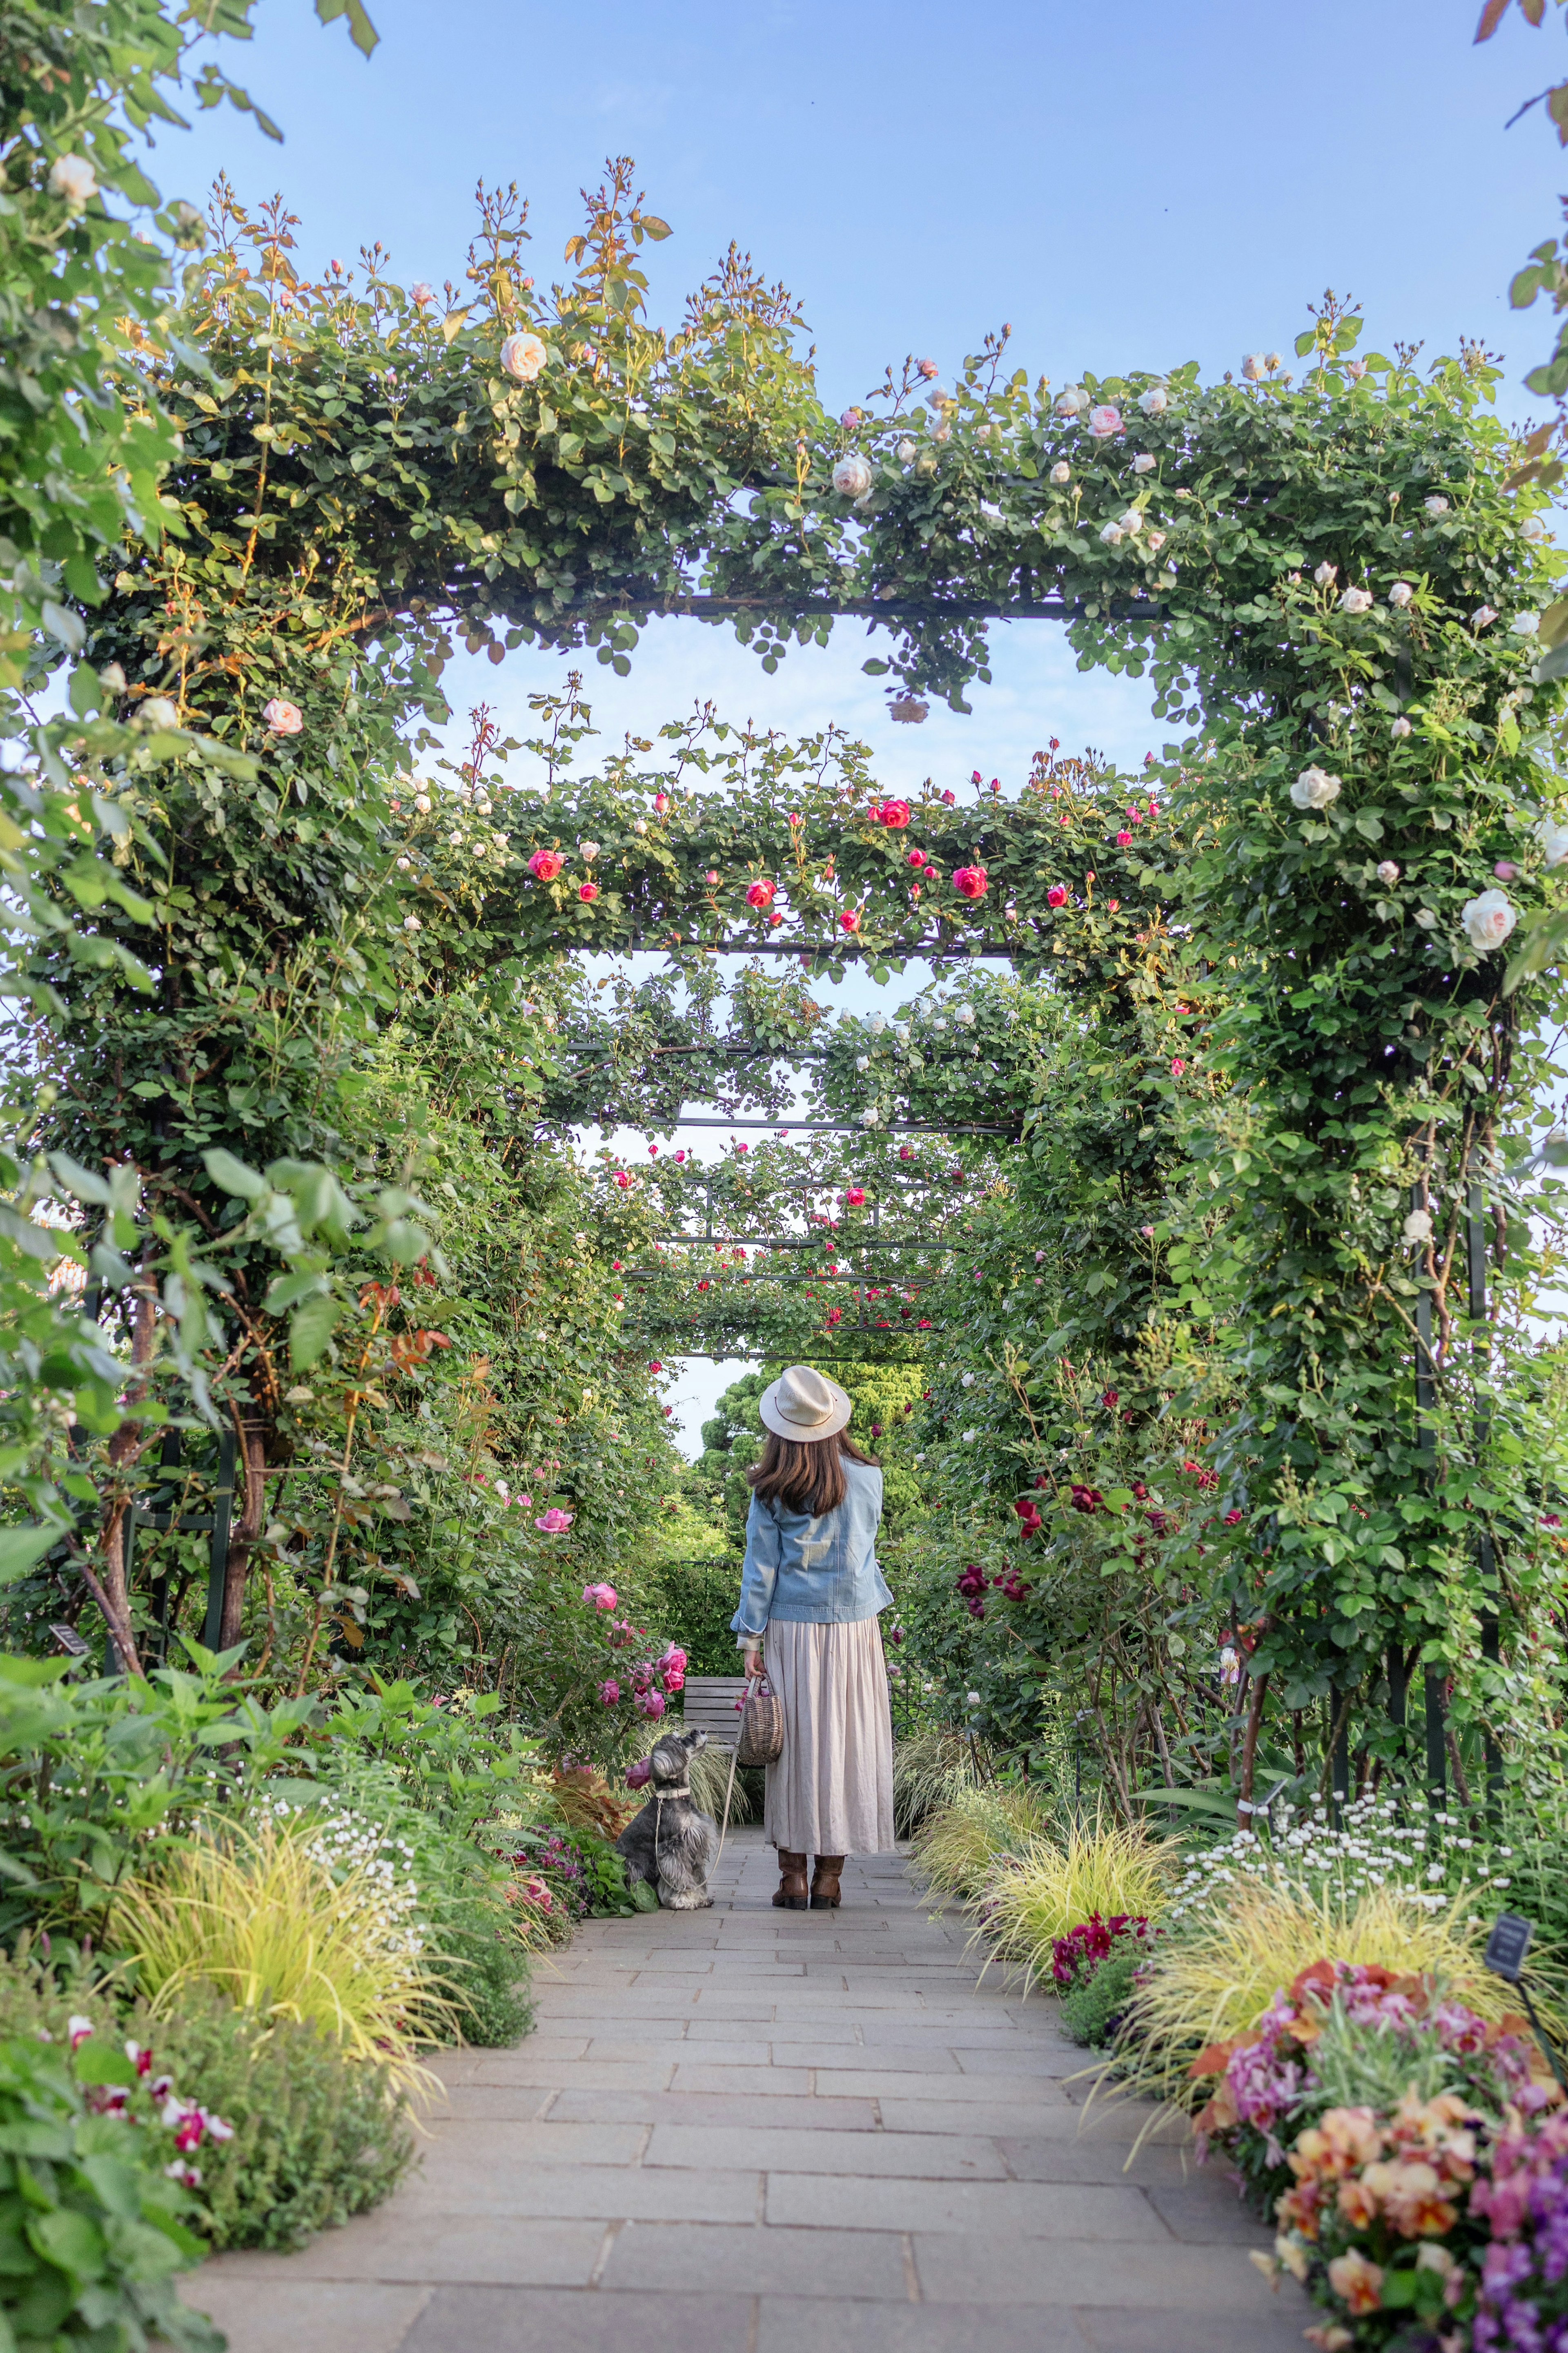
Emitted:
<point x="587" y="892"/>
<point x="761" y="895"/>
<point x="1177" y="1066"/>
<point x="849" y="920"/>
<point x="1056" y="895"/>
<point x="673" y="1657"/>
<point x="283" y="718"/>
<point x="554" y="1522"/>
<point x="1124" y="841"/>
<point x="602" y="1596"/>
<point x="1104" y="421"/>
<point x="855" y="1199"/>
<point x="545" y="865"/>
<point x="651" y="1703"/>
<point x="637" y="1774"/>
<point x="917" y="857"/>
<point x="970" y="882"/>
<point x="894" y="814"/>
<point x="674" y="1681"/>
<point x="610" y="1691"/>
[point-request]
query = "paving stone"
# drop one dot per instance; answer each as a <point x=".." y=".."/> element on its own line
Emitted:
<point x="498" y="2103"/>
<point x="1065" y="2210"/>
<point x="394" y="2245"/>
<point x="895" y="2058"/>
<point x="1016" y="2092"/>
<point x="658" y="2255"/>
<point x="1124" y="2275"/>
<point x="1276" y="2330"/>
<point x="919" y="2156"/>
<point x="298" y="2316"/>
<point x="792" y="2113"/>
<point x="1209" y="2213"/>
<point x="606" y="2193"/>
<point x="601" y="2074"/>
<point x="568" y="2142"/>
<point x="772" y="2081"/>
<point x="789" y="2324"/>
<point x="707" y="2030"/>
<point x="504" y="2320"/>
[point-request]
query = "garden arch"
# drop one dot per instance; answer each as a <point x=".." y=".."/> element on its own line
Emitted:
<point x="1318" y="577"/>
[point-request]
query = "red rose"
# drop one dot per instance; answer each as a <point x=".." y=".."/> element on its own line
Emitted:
<point x="776" y="917"/>
<point x="970" y="882"/>
<point x="761" y="895"/>
<point x="1056" y="895"/>
<point x="895" y="814"/>
<point x="906" y="1152"/>
<point x="545" y="865"/>
<point x="587" y="892"/>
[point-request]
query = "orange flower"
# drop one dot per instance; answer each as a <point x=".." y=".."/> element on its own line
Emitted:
<point x="1358" y="2202"/>
<point x="1415" y="2203"/>
<point x="1297" y="2210"/>
<point x="1357" y="2281"/>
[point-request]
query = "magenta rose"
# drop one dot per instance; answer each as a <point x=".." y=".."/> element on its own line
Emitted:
<point x="610" y="1691"/>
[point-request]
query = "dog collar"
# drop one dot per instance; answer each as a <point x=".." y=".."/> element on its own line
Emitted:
<point x="683" y="1790"/>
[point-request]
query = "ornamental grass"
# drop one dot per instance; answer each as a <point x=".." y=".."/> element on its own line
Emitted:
<point x="1103" y="1866"/>
<point x="958" y="1847"/>
<point x="257" y="1914"/>
<point x="1219" y="1972"/>
<point x="932" y="1771"/>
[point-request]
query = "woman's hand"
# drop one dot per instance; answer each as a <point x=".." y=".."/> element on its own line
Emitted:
<point x="754" y="1658"/>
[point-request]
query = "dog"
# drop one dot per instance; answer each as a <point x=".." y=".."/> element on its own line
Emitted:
<point x="672" y="1844"/>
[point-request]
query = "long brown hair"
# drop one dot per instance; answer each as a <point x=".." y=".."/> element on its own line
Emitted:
<point x="804" y="1475"/>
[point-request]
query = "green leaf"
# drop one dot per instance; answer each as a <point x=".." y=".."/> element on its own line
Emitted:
<point x="233" y="1176"/>
<point x="361" y="30"/>
<point x="289" y="1289"/>
<point x="310" y="1330"/>
<point x="21" y="1547"/>
<point x="97" y="2062"/>
<point x="78" y="1182"/>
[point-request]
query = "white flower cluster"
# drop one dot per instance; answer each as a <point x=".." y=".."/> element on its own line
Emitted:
<point x="348" y="1846"/>
<point x="1401" y="1844"/>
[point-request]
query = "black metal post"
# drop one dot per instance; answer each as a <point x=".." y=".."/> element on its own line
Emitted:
<point x="223" y="1516"/>
<point x="1486" y="1557"/>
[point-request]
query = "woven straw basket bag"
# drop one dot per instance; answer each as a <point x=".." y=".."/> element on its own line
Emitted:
<point x="761" y="1740"/>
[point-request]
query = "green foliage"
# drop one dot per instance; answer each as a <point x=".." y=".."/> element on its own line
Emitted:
<point x="1092" y="2007"/>
<point x="93" y="2236"/>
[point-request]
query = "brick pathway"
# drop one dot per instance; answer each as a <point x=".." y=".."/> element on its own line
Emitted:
<point x="751" y="2131"/>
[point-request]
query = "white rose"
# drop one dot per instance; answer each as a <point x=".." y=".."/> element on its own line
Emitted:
<point x="1488" y="919"/>
<point x="1314" y="788"/>
<point x="1356" y="600"/>
<point x="1271" y="361"/>
<point x="422" y="803"/>
<point x="1326" y="575"/>
<point x="1104" y="421"/>
<point x="878" y="1023"/>
<point x="969" y="1437"/>
<point x="455" y="840"/>
<point x="852" y="476"/>
<point x="1436" y="505"/>
<point x="1483" y="617"/>
<point x="1355" y="370"/>
<point x="522" y="355"/>
<point x="111" y="678"/>
<point x="157" y="710"/>
<point x="1072" y="402"/>
<point x="1061" y="471"/>
<point x="1253" y="366"/>
<point x="73" y="177"/>
<point x="1417" y="1227"/>
<point x="1155" y="541"/>
<point x="902" y="1032"/>
<point x="412" y="923"/>
<point x="1131" y="521"/>
<point x="589" y="849"/>
<point x="1401" y="595"/>
<point x="422" y="292"/>
<point x="964" y="1017"/>
<point x="404" y="865"/>
<point x="639" y="825"/>
<point x="1110" y="534"/>
<point x="862" y="1061"/>
<point x="868" y="1119"/>
<point x="1525" y="625"/>
<point x="939" y="1025"/>
<point x="1428" y="919"/>
<point x="482" y="803"/>
<point x="1388" y="872"/>
<point x="1155" y="401"/>
<point x="1143" y="463"/>
<point x="969" y="1380"/>
<point x="1400" y="728"/>
<point x="1553" y="840"/>
<point x="906" y="452"/>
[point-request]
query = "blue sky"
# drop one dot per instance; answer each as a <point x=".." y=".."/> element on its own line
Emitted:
<point x="1129" y="185"/>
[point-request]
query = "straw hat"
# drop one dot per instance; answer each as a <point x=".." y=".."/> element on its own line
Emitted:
<point x="804" y="1405"/>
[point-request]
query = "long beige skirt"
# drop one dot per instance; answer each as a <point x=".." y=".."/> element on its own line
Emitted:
<point x="831" y="1792"/>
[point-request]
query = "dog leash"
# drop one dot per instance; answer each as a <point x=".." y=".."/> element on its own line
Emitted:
<point x="730" y="1790"/>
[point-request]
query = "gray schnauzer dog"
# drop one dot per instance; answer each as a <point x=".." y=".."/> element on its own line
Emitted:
<point x="672" y="1844"/>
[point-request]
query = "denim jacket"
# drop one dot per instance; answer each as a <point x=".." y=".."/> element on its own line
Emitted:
<point x="819" y="1572"/>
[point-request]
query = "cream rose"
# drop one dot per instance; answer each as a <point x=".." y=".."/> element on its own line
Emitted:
<point x="522" y="355"/>
<point x="852" y="478"/>
<point x="1314" y="788"/>
<point x="1488" y="919"/>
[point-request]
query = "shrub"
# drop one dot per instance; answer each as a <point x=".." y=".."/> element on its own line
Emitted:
<point x="1214" y="1976"/>
<point x="1093" y="2008"/>
<point x="957" y="1847"/>
<point x="258" y="1914"/>
<point x="90" y="2237"/>
<point x="1032" y="1898"/>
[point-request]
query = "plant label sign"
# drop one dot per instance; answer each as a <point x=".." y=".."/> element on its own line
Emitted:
<point x="1507" y="1946"/>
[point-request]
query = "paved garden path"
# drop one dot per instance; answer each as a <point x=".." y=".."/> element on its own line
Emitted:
<point x="751" y="2131"/>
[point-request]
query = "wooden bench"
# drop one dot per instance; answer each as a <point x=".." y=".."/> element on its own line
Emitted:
<point x="708" y="1703"/>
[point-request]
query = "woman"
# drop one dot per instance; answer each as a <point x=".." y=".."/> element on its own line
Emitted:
<point x="810" y="1584"/>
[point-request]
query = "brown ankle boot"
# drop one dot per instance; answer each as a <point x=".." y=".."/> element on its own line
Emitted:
<point x="792" y="1895"/>
<point x="825" y="1882"/>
